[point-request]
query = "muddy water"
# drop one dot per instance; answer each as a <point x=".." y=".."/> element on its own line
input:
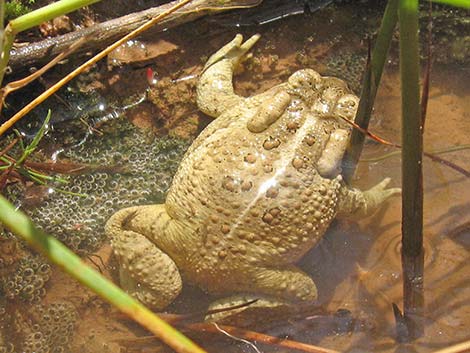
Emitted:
<point x="374" y="278"/>
<point x="357" y="266"/>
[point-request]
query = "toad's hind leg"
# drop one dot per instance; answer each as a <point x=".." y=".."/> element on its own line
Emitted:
<point x="289" y="283"/>
<point x="146" y="272"/>
<point x="215" y="89"/>
<point x="270" y="287"/>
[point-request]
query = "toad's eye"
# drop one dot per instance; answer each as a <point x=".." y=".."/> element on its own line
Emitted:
<point x="347" y="106"/>
<point x="302" y="78"/>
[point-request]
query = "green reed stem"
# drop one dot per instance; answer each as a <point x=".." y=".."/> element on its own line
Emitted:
<point x="370" y="83"/>
<point x="2" y="19"/>
<point x="46" y="13"/>
<point x="60" y="255"/>
<point x="32" y="19"/>
<point x="412" y="140"/>
<point x="457" y="3"/>
<point x="412" y="175"/>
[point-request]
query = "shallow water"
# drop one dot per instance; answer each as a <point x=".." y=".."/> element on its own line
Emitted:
<point x="356" y="266"/>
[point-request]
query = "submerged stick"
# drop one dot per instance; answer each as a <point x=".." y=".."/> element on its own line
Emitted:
<point x="60" y="255"/>
<point x="242" y="334"/>
<point x="16" y="85"/>
<point x="103" y="34"/>
<point x="412" y="174"/>
<point x="77" y="71"/>
<point x="258" y="337"/>
<point x="463" y="347"/>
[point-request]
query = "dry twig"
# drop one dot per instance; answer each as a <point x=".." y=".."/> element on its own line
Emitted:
<point x="259" y="337"/>
<point x="231" y="331"/>
<point x="13" y="86"/>
<point x="54" y="88"/>
<point x="463" y="347"/>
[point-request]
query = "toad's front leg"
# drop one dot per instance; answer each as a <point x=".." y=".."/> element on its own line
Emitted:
<point x="329" y="163"/>
<point x="344" y="107"/>
<point x="355" y="203"/>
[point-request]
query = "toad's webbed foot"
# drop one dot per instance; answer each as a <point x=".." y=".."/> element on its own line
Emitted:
<point x="356" y="203"/>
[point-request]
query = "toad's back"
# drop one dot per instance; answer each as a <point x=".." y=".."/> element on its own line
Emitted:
<point x="257" y="194"/>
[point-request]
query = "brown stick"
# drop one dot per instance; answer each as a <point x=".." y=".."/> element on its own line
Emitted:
<point x="103" y="34"/>
<point x="432" y="156"/>
<point x="90" y="62"/>
<point x="16" y="85"/>
<point x="236" y="333"/>
<point x="9" y="147"/>
<point x="463" y="347"/>
<point x="258" y="337"/>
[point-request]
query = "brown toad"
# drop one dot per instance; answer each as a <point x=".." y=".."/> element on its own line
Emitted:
<point x="255" y="191"/>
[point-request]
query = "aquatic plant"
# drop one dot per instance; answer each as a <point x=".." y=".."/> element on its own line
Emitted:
<point x="33" y="19"/>
<point x="19" y="167"/>
<point x="409" y="324"/>
<point x="16" y="8"/>
<point x="60" y="255"/>
<point x="48" y="245"/>
<point x="412" y="173"/>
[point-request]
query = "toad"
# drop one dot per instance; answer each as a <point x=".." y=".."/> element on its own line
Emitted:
<point x="256" y="190"/>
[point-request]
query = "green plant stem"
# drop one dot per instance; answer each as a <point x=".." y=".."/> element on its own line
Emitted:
<point x="370" y="84"/>
<point x="412" y="141"/>
<point x="2" y="19"/>
<point x="32" y="19"/>
<point x="46" y="13"/>
<point x="7" y="43"/>
<point x="457" y="3"/>
<point x="37" y="138"/>
<point x="60" y="255"/>
<point x="412" y="176"/>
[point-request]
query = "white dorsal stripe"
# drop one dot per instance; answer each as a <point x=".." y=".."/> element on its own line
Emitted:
<point x="288" y="154"/>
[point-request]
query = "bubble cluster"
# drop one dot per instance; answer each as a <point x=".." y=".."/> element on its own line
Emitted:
<point x="129" y="171"/>
<point x="6" y="347"/>
<point x="28" y="281"/>
<point x="450" y="34"/>
<point x="349" y="67"/>
<point x="9" y="252"/>
<point x="47" y="329"/>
